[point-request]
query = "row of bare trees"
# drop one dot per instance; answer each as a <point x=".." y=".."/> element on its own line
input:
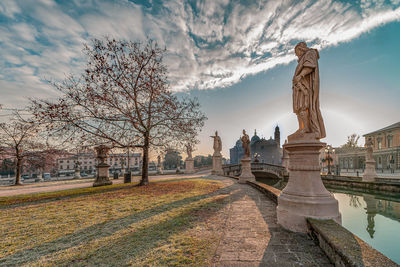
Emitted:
<point x="122" y="100"/>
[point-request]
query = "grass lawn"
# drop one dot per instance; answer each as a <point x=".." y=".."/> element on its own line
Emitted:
<point x="170" y="223"/>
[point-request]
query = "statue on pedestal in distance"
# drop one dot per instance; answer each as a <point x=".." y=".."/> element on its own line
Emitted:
<point x="245" y="144"/>
<point x="217" y="144"/>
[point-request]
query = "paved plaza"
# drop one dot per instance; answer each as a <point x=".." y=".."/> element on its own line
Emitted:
<point x="252" y="236"/>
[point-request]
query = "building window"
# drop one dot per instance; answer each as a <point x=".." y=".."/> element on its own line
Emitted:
<point x="61" y="161"/>
<point x="61" y="167"/>
<point x="379" y="160"/>
<point x="389" y="141"/>
<point x="379" y="143"/>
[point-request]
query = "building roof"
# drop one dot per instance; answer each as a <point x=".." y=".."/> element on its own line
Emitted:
<point x="255" y="137"/>
<point x="387" y="128"/>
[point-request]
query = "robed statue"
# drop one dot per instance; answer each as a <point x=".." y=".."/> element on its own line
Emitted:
<point x="369" y="144"/>
<point x="246" y="144"/>
<point x="189" y="150"/>
<point x="217" y="144"/>
<point x="306" y="93"/>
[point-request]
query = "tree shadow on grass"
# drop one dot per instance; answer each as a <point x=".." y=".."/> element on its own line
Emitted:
<point x="132" y="246"/>
<point x="105" y="229"/>
<point x="71" y="194"/>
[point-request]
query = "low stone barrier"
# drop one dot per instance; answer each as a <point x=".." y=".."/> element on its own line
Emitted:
<point x="344" y="248"/>
<point x="341" y="246"/>
<point x="271" y="192"/>
<point x="356" y="183"/>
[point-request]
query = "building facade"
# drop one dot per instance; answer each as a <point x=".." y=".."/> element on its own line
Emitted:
<point x="386" y="146"/>
<point x="386" y="151"/>
<point x="86" y="162"/>
<point x="261" y="149"/>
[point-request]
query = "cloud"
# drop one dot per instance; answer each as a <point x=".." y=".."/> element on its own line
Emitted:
<point x="210" y="43"/>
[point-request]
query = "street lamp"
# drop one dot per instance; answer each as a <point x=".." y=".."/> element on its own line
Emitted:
<point x="328" y="151"/>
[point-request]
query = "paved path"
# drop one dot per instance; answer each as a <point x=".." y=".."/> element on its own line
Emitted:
<point x="252" y="236"/>
<point x="54" y="186"/>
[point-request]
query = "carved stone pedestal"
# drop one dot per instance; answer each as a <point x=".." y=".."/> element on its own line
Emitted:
<point x="305" y="196"/>
<point x="189" y="163"/>
<point x="102" y="175"/>
<point x="246" y="175"/>
<point x="217" y="164"/>
<point x="77" y="174"/>
<point x="370" y="172"/>
<point x="160" y="169"/>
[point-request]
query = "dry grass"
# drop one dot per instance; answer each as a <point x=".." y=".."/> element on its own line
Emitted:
<point x="166" y="223"/>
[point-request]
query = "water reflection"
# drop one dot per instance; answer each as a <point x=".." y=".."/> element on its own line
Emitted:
<point x="375" y="219"/>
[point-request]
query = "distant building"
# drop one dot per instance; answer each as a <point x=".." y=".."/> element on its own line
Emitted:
<point x="386" y="150"/>
<point x="386" y="146"/>
<point x="87" y="162"/>
<point x="265" y="151"/>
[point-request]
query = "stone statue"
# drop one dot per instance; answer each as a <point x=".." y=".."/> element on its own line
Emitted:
<point x="217" y="144"/>
<point x="369" y="145"/>
<point x="246" y="144"/>
<point x="189" y="150"/>
<point x="306" y="93"/>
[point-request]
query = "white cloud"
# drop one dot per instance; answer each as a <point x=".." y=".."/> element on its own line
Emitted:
<point x="210" y="43"/>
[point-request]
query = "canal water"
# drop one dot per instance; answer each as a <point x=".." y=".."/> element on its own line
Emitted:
<point x="373" y="217"/>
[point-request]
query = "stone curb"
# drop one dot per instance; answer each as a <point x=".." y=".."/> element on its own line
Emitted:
<point x="341" y="246"/>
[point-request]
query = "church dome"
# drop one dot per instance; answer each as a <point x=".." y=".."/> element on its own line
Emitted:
<point x="255" y="138"/>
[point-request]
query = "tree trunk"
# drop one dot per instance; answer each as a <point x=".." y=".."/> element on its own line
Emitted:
<point x="18" y="171"/>
<point x="145" y="165"/>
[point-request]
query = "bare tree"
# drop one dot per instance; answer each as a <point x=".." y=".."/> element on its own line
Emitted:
<point x="21" y="140"/>
<point x="352" y="141"/>
<point x="122" y="99"/>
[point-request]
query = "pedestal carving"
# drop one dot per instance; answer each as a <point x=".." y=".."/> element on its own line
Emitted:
<point x="217" y="165"/>
<point x="246" y="174"/>
<point x="189" y="166"/>
<point x="102" y="175"/>
<point x="370" y="171"/>
<point x="102" y="168"/>
<point x="305" y="196"/>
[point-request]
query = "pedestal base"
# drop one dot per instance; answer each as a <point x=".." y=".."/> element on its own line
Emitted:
<point x="189" y="163"/>
<point x="217" y="165"/>
<point x="246" y="174"/>
<point x="370" y="172"/>
<point x="77" y="175"/>
<point x="305" y="196"/>
<point x="102" y="175"/>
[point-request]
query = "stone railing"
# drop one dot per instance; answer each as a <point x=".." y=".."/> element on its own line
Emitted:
<point x="235" y="169"/>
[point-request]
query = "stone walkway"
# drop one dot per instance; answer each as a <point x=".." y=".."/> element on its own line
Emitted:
<point x="252" y="236"/>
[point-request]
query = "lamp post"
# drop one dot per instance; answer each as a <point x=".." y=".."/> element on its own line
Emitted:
<point x="328" y="151"/>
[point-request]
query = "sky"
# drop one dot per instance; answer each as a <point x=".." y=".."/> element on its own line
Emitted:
<point x="236" y="57"/>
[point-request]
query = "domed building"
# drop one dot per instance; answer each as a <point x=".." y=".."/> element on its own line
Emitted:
<point x="236" y="152"/>
<point x="261" y="149"/>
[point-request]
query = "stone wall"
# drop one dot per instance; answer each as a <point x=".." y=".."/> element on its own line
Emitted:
<point x="344" y="248"/>
<point x="341" y="246"/>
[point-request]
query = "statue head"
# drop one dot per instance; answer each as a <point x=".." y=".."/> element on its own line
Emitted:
<point x="300" y="49"/>
<point x="244" y="131"/>
<point x="216" y="133"/>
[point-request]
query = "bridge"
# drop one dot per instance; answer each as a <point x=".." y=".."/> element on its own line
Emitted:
<point x="258" y="169"/>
